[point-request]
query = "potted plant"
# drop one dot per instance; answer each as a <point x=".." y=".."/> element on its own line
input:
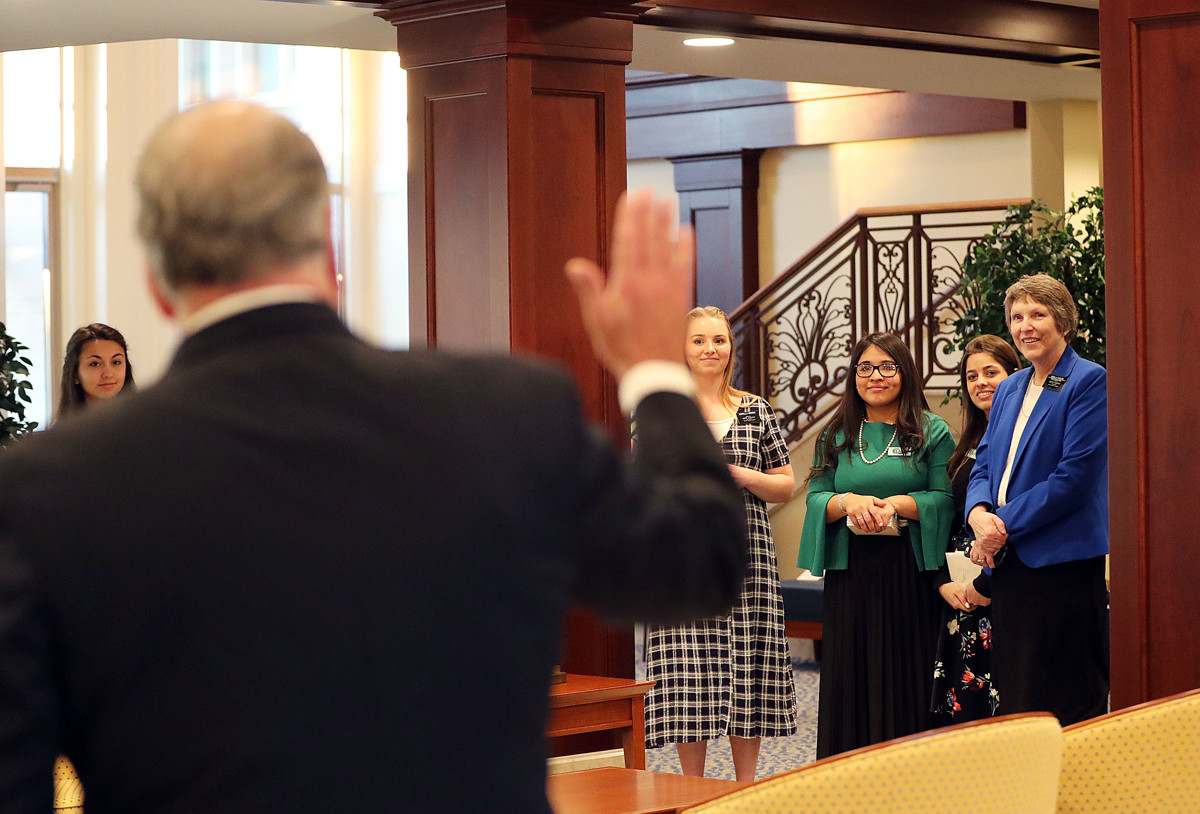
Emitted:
<point x="14" y="388"/>
<point x="1032" y="239"/>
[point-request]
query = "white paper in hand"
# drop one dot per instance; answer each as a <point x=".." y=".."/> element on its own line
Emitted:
<point x="962" y="570"/>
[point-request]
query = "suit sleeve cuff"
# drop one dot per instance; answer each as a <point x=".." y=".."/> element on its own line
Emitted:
<point x="653" y="376"/>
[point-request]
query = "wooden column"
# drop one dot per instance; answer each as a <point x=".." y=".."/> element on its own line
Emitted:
<point x="517" y="142"/>
<point x="718" y="196"/>
<point x="1151" y="112"/>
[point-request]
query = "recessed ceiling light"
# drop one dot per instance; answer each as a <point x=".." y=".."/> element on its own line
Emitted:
<point x="708" y="42"/>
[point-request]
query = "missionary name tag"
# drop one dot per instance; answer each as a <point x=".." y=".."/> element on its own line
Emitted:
<point x="896" y="452"/>
<point x="748" y="415"/>
<point x="1055" y="383"/>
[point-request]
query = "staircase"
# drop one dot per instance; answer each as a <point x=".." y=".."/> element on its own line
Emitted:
<point x="884" y="269"/>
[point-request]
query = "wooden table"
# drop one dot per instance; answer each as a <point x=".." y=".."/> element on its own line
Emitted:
<point x="630" y="791"/>
<point x="595" y="704"/>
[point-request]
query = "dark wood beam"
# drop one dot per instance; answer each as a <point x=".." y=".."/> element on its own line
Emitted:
<point x="1012" y="29"/>
<point x="1151" y="100"/>
<point x="516" y="117"/>
<point x="676" y="116"/>
<point x="718" y="196"/>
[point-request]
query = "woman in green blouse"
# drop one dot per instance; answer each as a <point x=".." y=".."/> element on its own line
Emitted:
<point x="879" y="467"/>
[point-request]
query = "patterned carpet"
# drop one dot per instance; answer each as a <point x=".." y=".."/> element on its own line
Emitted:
<point x="778" y="754"/>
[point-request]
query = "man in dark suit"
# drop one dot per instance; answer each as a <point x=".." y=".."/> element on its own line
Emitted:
<point x="302" y="574"/>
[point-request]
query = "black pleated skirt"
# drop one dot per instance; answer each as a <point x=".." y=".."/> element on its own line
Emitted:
<point x="1051" y="638"/>
<point x="880" y="634"/>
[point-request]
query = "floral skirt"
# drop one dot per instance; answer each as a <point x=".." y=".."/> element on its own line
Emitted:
<point x="962" y="671"/>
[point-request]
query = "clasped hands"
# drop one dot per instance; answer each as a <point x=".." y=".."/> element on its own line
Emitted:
<point x="867" y="512"/>
<point x="990" y="536"/>
<point x="963" y="597"/>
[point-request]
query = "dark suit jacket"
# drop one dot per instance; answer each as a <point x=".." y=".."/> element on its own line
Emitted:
<point x="1057" y="508"/>
<point x="302" y="574"/>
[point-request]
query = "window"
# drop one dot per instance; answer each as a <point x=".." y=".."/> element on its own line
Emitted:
<point x="33" y="149"/>
<point x="28" y="227"/>
<point x="303" y="83"/>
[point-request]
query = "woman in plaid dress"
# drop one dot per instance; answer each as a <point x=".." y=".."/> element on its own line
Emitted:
<point x="731" y="675"/>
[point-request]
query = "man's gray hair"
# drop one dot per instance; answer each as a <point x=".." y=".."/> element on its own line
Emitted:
<point x="223" y="204"/>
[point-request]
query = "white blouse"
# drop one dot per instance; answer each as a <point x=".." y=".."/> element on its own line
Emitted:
<point x="1032" y="393"/>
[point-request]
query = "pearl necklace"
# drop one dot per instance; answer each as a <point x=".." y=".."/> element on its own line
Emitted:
<point x="862" y="446"/>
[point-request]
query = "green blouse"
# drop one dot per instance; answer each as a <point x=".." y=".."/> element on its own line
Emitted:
<point x="922" y="476"/>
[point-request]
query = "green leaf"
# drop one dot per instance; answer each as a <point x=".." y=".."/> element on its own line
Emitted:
<point x="1033" y="239"/>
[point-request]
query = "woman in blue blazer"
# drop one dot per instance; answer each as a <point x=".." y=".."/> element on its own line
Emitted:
<point x="1038" y="504"/>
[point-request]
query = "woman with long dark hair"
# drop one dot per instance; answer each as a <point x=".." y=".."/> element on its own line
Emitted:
<point x="877" y="520"/>
<point x="95" y="368"/>
<point x="962" y="673"/>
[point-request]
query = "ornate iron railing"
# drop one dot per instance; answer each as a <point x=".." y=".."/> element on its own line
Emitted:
<point x="884" y="269"/>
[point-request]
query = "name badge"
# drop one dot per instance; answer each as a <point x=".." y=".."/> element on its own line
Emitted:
<point x="1055" y="383"/>
<point x="748" y="415"/>
<point x="896" y="452"/>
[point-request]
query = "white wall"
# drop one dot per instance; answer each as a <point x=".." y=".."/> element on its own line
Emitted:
<point x="376" y="172"/>
<point x="142" y="90"/>
<point x="806" y="192"/>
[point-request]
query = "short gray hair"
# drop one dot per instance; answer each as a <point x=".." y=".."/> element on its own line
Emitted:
<point x="1048" y="291"/>
<point x="229" y="189"/>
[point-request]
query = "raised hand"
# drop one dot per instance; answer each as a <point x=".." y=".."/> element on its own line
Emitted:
<point x="637" y="313"/>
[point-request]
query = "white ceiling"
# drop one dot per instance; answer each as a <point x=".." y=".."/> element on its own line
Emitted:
<point x="41" y="23"/>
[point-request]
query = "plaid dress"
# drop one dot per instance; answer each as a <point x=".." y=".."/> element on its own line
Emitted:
<point x="730" y="675"/>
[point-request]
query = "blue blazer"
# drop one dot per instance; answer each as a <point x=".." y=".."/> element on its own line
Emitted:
<point x="1057" y="508"/>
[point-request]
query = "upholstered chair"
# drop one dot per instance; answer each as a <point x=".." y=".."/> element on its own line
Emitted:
<point x="68" y="792"/>
<point x="1005" y="765"/>
<point x="1140" y="759"/>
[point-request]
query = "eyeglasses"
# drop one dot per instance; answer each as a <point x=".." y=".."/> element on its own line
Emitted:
<point x="887" y="370"/>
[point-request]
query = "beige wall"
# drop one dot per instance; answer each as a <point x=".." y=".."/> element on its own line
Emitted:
<point x="656" y="173"/>
<point x="1064" y="150"/>
<point x="806" y="192"/>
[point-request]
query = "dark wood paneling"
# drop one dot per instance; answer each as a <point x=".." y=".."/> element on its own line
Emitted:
<point x="567" y="122"/>
<point x="828" y="120"/>
<point x="1015" y="29"/>
<point x="458" y="288"/>
<point x="463" y="304"/>
<point x="716" y="282"/>
<point x="1151" y="98"/>
<point x="562" y="141"/>
<point x="517" y="164"/>
<point x="1167" y="59"/>
<point x="656" y="94"/>
<point x="438" y="32"/>
<point x="1125" y="313"/>
<point x="1015" y="20"/>
<point x="718" y="196"/>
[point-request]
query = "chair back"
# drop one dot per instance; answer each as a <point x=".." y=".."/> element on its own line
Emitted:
<point x="1005" y="765"/>
<point x="1144" y="758"/>
<point x="68" y="791"/>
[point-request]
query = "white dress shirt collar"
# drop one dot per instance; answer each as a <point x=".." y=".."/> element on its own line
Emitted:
<point x="248" y="300"/>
